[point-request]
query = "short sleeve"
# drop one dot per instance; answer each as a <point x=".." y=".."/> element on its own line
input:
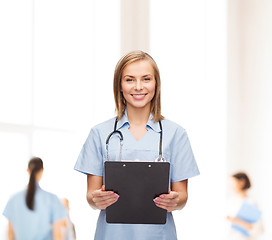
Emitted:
<point x="58" y="210"/>
<point x="183" y="162"/>
<point x="90" y="159"/>
<point x="9" y="210"/>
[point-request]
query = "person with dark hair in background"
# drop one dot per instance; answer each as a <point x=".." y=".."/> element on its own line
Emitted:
<point x="34" y="214"/>
<point x="244" y="214"/>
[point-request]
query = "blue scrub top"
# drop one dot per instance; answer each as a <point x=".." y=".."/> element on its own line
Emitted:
<point x="37" y="224"/>
<point x="176" y="150"/>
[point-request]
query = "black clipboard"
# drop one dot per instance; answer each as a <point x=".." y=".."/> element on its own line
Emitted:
<point x="137" y="184"/>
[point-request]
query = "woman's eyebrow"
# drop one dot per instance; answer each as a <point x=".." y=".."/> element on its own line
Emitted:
<point x="146" y="75"/>
<point x="129" y="76"/>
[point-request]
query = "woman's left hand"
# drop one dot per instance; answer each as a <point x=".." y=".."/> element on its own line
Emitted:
<point x="168" y="201"/>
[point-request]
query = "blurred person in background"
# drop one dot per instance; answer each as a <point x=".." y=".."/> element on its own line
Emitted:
<point x="68" y="228"/>
<point x="33" y="213"/>
<point x="244" y="215"/>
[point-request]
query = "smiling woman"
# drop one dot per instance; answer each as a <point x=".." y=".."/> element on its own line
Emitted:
<point x="138" y="84"/>
<point x="137" y="70"/>
<point x="137" y="99"/>
<point x="138" y="87"/>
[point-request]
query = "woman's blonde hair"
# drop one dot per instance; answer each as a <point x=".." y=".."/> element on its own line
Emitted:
<point x="120" y="102"/>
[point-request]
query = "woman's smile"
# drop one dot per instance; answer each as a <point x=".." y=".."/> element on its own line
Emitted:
<point x="139" y="96"/>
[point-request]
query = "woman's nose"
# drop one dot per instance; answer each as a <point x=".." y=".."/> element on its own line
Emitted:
<point x="139" y="85"/>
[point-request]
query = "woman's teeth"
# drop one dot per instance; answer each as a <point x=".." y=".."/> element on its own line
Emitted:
<point x="138" y="96"/>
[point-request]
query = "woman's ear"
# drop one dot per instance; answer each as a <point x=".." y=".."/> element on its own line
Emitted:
<point x="39" y="175"/>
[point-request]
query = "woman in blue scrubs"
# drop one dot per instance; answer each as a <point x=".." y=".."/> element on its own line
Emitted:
<point x="137" y="94"/>
<point x="34" y="214"/>
<point x="245" y="217"/>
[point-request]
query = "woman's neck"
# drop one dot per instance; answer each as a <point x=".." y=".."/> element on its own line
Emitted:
<point x="138" y="116"/>
<point x="242" y="194"/>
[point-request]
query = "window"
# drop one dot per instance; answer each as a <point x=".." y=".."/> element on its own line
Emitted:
<point x="57" y="57"/>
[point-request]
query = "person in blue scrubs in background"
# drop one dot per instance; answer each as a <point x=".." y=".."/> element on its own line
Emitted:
<point x="137" y="93"/>
<point x="244" y="214"/>
<point x="34" y="214"/>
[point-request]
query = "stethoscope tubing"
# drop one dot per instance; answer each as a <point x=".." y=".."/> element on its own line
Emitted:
<point x="159" y="159"/>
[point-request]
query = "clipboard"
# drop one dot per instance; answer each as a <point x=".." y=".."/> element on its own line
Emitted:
<point x="137" y="183"/>
<point x="250" y="213"/>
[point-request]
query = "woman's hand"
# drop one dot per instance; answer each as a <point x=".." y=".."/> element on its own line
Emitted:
<point x="240" y="222"/>
<point x="102" y="199"/>
<point x="175" y="199"/>
<point x="11" y="235"/>
<point x="97" y="197"/>
<point x="168" y="201"/>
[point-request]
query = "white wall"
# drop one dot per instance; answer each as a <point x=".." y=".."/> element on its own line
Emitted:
<point x="250" y="97"/>
<point x="188" y="41"/>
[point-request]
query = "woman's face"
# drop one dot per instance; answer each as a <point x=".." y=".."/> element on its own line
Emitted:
<point x="138" y="84"/>
<point x="236" y="184"/>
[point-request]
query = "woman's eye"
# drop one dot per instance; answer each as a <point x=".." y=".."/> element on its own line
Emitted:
<point x="129" y="80"/>
<point x="147" y="79"/>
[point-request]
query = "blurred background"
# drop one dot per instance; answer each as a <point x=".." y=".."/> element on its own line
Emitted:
<point x="57" y="60"/>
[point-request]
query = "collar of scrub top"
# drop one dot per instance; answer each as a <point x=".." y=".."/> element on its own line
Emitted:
<point x="153" y="125"/>
<point x="156" y="126"/>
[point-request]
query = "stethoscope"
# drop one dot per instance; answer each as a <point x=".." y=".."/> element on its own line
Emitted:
<point x="159" y="159"/>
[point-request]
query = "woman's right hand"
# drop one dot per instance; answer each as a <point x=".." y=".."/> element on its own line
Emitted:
<point x="97" y="197"/>
<point x="102" y="199"/>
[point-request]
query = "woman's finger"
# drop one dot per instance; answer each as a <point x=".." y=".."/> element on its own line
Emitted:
<point x="166" y="203"/>
<point x="171" y="198"/>
<point x="104" y="197"/>
<point x="169" y="209"/>
<point x="105" y="203"/>
<point x="170" y="195"/>
<point x="100" y="192"/>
